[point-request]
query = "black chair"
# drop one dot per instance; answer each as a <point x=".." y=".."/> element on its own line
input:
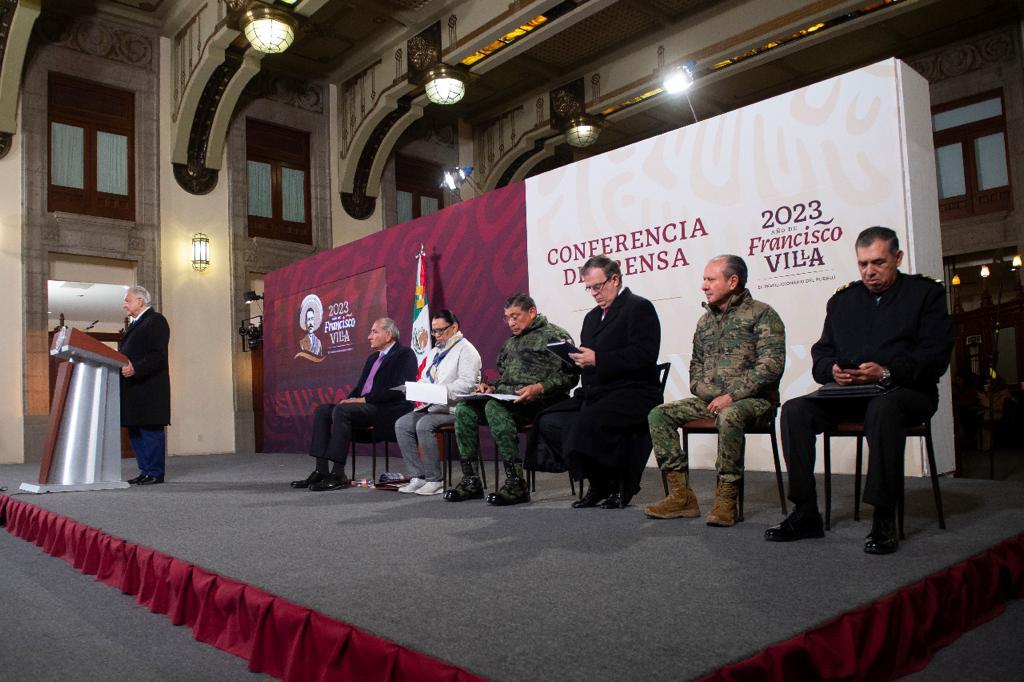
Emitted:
<point x="365" y="434"/>
<point x="708" y="426"/>
<point x="856" y="430"/>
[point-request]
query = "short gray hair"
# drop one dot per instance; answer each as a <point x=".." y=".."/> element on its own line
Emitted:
<point x="141" y="292"/>
<point x="876" y="234"/>
<point x="734" y="265"/>
<point x="388" y="325"/>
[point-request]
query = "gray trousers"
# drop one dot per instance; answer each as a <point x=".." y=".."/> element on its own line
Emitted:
<point x="415" y="428"/>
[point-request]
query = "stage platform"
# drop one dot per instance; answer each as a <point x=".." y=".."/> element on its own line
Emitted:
<point x="537" y="591"/>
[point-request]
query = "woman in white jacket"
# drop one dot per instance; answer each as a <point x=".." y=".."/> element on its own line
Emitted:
<point x="455" y="364"/>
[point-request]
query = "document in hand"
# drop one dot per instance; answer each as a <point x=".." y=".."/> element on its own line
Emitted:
<point x="562" y="350"/>
<point x="423" y="392"/>
<point x="507" y="397"/>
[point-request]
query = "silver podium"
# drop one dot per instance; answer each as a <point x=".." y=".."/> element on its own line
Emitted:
<point x="83" y="444"/>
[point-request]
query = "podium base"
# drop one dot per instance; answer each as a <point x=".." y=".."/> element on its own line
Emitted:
<point x="72" y="487"/>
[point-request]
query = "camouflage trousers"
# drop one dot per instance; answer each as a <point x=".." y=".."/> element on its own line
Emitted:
<point x="665" y="420"/>
<point x="503" y="419"/>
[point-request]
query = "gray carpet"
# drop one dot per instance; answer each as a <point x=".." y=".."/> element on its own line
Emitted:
<point x="540" y="590"/>
<point x="58" y="624"/>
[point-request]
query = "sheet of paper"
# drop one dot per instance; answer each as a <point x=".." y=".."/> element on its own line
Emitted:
<point x="422" y="392"/>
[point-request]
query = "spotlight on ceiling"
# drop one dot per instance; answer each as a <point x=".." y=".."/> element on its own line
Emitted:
<point x="267" y="29"/>
<point x="454" y="178"/>
<point x="583" y="131"/>
<point x="445" y="85"/>
<point x="679" y="79"/>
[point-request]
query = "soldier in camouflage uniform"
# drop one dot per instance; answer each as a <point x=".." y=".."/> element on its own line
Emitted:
<point x="527" y="368"/>
<point x="739" y="352"/>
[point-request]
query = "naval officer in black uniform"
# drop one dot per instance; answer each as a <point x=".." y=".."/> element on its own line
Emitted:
<point x="890" y="329"/>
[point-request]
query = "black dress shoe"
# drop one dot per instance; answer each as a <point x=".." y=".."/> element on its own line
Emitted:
<point x="883" y="538"/>
<point x="613" y="501"/>
<point x="593" y="498"/>
<point x="330" y="482"/>
<point x="150" y="480"/>
<point x="307" y="481"/>
<point x="798" y="526"/>
<point x="135" y="481"/>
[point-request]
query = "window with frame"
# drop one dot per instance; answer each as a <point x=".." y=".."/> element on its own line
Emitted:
<point x="277" y="166"/>
<point x="971" y="156"/>
<point x="91" y="148"/>
<point x="417" y="188"/>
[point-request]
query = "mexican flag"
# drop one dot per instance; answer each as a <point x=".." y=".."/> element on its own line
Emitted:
<point x="420" y="314"/>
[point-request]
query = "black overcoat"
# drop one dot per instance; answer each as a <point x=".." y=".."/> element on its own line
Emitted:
<point x="398" y="367"/>
<point x="146" y="397"/>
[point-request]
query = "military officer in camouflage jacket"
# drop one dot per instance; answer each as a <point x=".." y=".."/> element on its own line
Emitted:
<point x="525" y="368"/>
<point x="739" y="352"/>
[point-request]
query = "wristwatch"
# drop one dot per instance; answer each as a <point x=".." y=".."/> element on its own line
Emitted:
<point x="886" y="377"/>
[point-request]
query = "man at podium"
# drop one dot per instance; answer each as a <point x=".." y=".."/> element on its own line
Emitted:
<point x="145" y="385"/>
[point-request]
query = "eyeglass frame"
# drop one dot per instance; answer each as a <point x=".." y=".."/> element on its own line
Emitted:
<point x="594" y="288"/>
<point x="438" y="332"/>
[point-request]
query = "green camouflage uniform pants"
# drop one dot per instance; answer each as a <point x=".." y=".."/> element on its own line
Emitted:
<point x="503" y="419"/>
<point x="665" y="420"/>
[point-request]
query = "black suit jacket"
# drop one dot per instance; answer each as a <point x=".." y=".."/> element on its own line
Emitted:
<point x="398" y="366"/>
<point x="626" y="344"/>
<point x="146" y="397"/>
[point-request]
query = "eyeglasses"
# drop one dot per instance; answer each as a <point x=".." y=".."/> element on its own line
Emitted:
<point x="438" y="332"/>
<point x="594" y="288"/>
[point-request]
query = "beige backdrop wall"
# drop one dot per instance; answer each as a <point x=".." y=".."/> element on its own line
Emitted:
<point x="787" y="183"/>
<point x="12" y="405"/>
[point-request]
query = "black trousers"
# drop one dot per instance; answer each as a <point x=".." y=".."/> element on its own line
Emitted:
<point x="332" y="429"/>
<point x="886" y="419"/>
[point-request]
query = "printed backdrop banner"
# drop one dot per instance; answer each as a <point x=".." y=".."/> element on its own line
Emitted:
<point x="787" y="184"/>
<point x="476" y="257"/>
<point x="316" y="346"/>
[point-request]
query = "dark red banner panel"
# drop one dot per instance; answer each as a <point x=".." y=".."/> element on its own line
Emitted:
<point x="476" y="258"/>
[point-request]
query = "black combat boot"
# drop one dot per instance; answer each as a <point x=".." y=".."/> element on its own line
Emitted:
<point x="515" y="490"/>
<point x="469" y="488"/>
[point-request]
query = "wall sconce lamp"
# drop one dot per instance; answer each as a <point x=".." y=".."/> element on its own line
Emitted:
<point x="1015" y="265"/>
<point x="985" y="272"/>
<point x="200" y="252"/>
<point x="583" y="130"/>
<point x="955" y="281"/>
<point x="445" y="85"/>
<point x="268" y="30"/>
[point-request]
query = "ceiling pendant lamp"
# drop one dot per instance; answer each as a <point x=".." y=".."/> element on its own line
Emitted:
<point x="445" y="85"/>
<point x="267" y="29"/>
<point x="583" y="131"/>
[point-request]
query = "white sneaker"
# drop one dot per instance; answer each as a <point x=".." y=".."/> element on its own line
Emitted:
<point x="412" y="486"/>
<point x="431" y="488"/>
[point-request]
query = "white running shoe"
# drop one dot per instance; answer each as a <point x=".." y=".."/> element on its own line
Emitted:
<point x="431" y="488"/>
<point x="413" y="485"/>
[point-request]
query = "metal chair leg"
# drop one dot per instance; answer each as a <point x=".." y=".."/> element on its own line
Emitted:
<point x="857" y="478"/>
<point x="387" y="456"/>
<point x="936" y="493"/>
<point x="739" y="515"/>
<point x="373" y="449"/>
<point x="778" y="471"/>
<point x="353" y="447"/>
<point x="828" y="484"/>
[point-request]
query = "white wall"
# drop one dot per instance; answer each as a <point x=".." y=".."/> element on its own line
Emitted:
<point x="197" y="304"/>
<point x="11" y="304"/>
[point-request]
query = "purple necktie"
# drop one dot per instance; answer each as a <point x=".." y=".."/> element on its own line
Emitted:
<point x="368" y="386"/>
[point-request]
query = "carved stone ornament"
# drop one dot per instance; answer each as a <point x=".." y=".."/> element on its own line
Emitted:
<point x="423" y="51"/>
<point x="94" y="37"/>
<point x="6" y="141"/>
<point x="194" y="176"/>
<point x="356" y="203"/>
<point x="7" y="8"/>
<point x="287" y="90"/>
<point x="510" y="170"/>
<point x="961" y="58"/>
<point x="566" y="102"/>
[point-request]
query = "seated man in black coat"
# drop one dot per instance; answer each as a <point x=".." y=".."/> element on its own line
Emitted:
<point x="602" y="430"/>
<point x="371" y="403"/>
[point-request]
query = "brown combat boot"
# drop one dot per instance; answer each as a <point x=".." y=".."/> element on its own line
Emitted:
<point x="723" y="512"/>
<point x="680" y="503"/>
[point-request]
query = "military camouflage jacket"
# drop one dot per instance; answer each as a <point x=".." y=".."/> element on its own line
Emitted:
<point x="525" y="360"/>
<point x="740" y="351"/>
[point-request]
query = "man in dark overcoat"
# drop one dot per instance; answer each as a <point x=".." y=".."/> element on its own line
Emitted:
<point x="371" y="403"/>
<point x="601" y="431"/>
<point x="145" y="385"/>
